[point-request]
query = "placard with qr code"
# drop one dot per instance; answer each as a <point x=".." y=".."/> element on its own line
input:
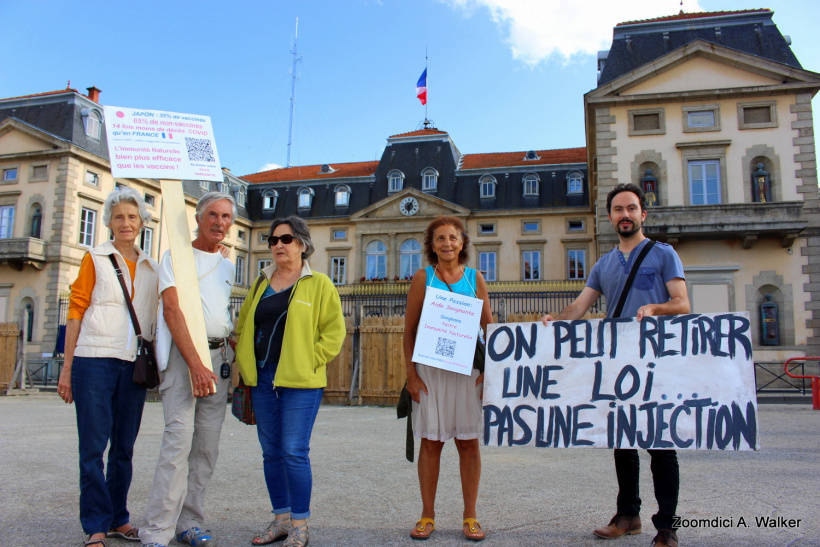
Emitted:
<point x="447" y="331"/>
<point x="153" y="144"/>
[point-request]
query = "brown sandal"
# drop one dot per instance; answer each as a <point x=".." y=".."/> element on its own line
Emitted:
<point x="472" y="530"/>
<point x="91" y="542"/>
<point x="420" y="531"/>
<point x="132" y="534"/>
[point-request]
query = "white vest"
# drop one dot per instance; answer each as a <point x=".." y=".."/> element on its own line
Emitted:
<point x="106" y="329"/>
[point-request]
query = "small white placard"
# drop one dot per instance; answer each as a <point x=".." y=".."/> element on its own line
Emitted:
<point x="153" y="144"/>
<point x="447" y="331"/>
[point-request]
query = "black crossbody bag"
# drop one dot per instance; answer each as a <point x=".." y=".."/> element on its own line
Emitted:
<point x="632" y="273"/>
<point x="146" y="372"/>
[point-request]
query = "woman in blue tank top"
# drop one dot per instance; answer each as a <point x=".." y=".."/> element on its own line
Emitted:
<point x="446" y="405"/>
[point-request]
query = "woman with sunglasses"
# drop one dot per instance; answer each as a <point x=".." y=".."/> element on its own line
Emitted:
<point x="289" y="311"/>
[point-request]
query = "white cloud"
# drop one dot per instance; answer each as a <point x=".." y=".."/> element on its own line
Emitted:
<point x="269" y="167"/>
<point x="538" y="30"/>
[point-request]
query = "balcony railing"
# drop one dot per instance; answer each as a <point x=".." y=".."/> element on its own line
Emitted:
<point x="744" y="221"/>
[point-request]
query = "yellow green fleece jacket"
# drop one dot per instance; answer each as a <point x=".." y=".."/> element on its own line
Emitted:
<point x="314" y="331"/>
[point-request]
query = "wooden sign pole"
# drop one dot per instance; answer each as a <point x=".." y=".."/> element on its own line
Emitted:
<point x="187" y="283"/>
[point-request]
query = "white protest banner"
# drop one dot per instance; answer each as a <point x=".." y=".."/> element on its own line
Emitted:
<point x="168" y="146"/>
<point x="447" y="331"/>
<point x="153" y="144"/>
<point x="679" y="382"/>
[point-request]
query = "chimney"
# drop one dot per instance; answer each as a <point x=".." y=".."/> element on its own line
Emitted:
<point x="94" y="94"/>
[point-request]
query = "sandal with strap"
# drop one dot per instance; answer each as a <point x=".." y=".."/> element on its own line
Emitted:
<point x="420" y="531"/>
<point x="298" y="536"/>
<point x="472" y="530"/>
<point x="132" y="534"/>
<point x="278" y="529"/>
<point x="98" y="542"/>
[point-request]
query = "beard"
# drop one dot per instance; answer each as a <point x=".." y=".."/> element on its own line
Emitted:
<point x="629" y="230"/>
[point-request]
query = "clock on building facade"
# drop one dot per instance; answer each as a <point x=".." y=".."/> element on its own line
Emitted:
<point x="409" y="206"/>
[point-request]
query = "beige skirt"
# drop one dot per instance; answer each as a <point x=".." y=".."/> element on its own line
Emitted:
<point x="451" y="409"/>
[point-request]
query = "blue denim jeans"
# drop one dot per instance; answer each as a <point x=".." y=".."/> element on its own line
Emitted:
<point x="284" y="422"/>
<point x="109" y="410"/>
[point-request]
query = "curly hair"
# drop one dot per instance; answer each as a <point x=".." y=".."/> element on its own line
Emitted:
<point x="456" y="223"/>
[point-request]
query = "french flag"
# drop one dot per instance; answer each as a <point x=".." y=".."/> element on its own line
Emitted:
<point x="421" y="87"/>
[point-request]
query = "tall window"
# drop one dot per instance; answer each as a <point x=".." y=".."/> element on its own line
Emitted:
<point x="487" y="186"/>
<point x="410" y="252"/>
<point x="6" y="221"/>
<point x="575" y="183"/>
<point x="429" y="179"/>
<point x="530" y="184"/>
<point x="576" y="264"/>
<point x="262" y="264"/>
<point x="395" y="180"/>
<point x="487" y="265"/>
<point x="704" y="182"/>
<point x="240" y="196"/>
<point x="223" y="187"/>
<point x="147" y="240"/>
<point x="239" y="279"/>
<point x="305" y="198"/>
<point x="531" y="262"/>
<point x="88" y="222"/>
<point x="269" y="199"/>
<point x="338" y="270"/>
<point x="376" y="260"/>
<point x="342" y="196"/>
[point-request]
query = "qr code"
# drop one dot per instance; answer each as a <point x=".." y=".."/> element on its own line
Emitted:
<point x="446" y="347"/>
<point x="199" y="150"/>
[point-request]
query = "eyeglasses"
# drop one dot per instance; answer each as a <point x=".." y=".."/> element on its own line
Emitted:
<point x="287" y="239"/>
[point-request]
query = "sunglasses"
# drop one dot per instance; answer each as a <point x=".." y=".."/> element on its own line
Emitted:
<point x="286" y="239"/>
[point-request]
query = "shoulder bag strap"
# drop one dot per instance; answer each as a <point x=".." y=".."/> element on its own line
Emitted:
<point x="632" y="273"/>
<point x="120" y="276"/>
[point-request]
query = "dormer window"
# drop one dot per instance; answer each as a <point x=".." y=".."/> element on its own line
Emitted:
<point x="327" y="169"/>
<point x="395" y="181"/>
<point x="532" y="155"/>
<point x="305" y="198"/>
<point x="92" y="120"/>
<point x="223" y="187"/>
<point x="240" y="196"/>
<point x="487" y="186"/>
<point x="269" y="199"/>
<point x="342" y="194"/>
<point x="530" y="182"/>
<point x="429" y="179"/>
<point x="575" y="183"/>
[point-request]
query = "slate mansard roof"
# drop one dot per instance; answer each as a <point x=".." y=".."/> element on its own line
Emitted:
<point x="636" y="43"/>
<point x="411" y="155"/>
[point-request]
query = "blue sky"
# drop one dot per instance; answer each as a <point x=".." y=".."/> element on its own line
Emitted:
<point x="504" y="75"/>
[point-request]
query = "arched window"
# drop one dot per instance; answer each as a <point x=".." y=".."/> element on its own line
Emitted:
<point x="410" y="252"/>
<point x="92" y="120"/>
<point x="395" y="180"/>
<point x="376" y="260"/>
<point x="342" y="196"/>
<point x="269" y="199"/>
<point x="429" y="179"/>
<point x="575" y="182"/>
<point x="530" y="183"/>
<point x="487" y="186"/>
<point x="305" y="198"/>
<point x="240" y="196"/>
<point x="223" y="186"/>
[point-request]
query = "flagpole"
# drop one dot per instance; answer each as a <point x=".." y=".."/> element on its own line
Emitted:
<point x="426" y="121"/>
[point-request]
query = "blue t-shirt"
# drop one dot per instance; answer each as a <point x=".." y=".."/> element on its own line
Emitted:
<point x="660" y="266"/>
<point x="465" y="285"/>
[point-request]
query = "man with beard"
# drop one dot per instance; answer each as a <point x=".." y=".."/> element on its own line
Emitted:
<point x="658" y="289"/>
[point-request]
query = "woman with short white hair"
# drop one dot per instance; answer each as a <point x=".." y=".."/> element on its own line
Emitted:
<point x="100" y="350"/>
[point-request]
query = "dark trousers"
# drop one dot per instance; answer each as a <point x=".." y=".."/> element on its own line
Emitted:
<point x="665" y="475"/>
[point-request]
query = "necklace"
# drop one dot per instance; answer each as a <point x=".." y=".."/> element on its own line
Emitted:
<point x="284" y="282"/>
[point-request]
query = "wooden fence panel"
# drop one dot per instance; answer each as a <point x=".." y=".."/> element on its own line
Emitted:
<point x="381" y="355"/>
<point x="340" y="370"/>
<point x="9" y="333"/>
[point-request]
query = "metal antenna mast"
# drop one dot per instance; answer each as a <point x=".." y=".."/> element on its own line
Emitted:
<point x="296" y="59"/>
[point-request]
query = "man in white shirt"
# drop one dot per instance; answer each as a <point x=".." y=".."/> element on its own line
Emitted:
<point x="194" y="398"/>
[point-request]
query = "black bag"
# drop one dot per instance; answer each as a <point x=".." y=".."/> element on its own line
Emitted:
<point x="146" y="371"/>
<point x="478" y="359"/>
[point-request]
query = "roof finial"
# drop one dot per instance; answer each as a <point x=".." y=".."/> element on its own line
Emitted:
<point x="68" y="85"/>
